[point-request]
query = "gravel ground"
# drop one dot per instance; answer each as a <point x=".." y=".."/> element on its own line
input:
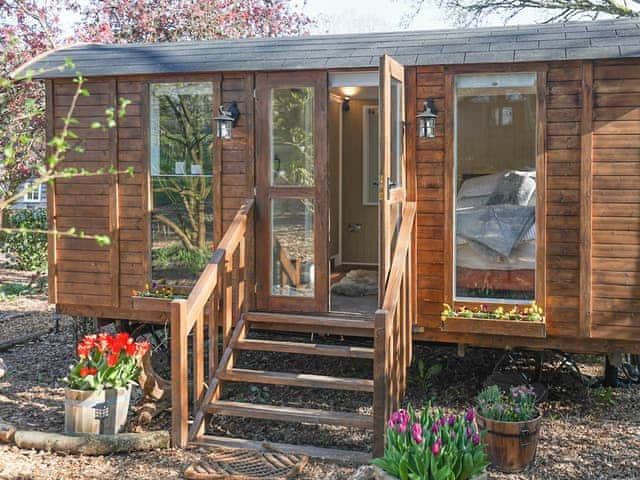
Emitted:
<point x="587" y="433"/>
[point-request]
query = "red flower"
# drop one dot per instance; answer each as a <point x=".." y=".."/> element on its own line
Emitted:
<point x="141" y="349"/>
<point x="93" y="371"/>
<point x="112" y="359"/>
<point x="120" y="341"/>
<point x="104" y="341"/>
<point x="89" y="340"/>
<point x="83" y="350"/>
<point x="84" y="371"/>
<point x="130" y="348"/>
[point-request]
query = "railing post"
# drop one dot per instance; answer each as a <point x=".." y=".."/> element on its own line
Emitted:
<point x="380" y="382"/>
<point x="179" y="378"/>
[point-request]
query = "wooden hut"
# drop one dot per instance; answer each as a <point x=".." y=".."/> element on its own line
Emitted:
<point x="493" y="166"/>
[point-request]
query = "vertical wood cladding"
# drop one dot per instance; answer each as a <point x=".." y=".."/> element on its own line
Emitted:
<point x="85" y="272"/>
<point x="616" y="200"/>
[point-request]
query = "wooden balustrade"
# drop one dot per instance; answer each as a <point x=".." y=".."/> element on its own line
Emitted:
<point x="221" y="291"/>
<point x="393" y="331"/>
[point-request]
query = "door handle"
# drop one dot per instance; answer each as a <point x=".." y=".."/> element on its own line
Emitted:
<point x="390" y="183"/>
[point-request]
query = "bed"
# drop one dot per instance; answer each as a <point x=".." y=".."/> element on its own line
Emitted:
<point x="495" y="235"/>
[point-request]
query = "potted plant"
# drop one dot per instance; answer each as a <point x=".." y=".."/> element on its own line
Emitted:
<point x="155" y="298"/>
<point x="99" y="383"/>
<point x="433" y="446"/>
<point x="512" y="424"/>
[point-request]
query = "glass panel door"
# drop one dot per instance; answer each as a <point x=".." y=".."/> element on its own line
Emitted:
<point x="392" y="162"/>
<point x="292" y="236"/>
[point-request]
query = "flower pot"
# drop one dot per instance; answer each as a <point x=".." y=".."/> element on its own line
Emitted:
<point x="96" y="411"/>
<point x="379" y="474"/>
<point x="511" y="446"/>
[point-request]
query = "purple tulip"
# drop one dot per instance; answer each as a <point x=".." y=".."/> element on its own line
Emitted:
<point x="476" y="439"/>
<point x="435" y="448"/>
<point x="469" y="432"/>
<point x="470" y="415"/>
<point x="452" y="420"/>
<point x="390" y="423"/>
<point x="395" y="417"/>
<point x="434" y="428"/>
<point x="402" y="427"/>
<point x="453" y="434"/>
<point x="416" y="432"/>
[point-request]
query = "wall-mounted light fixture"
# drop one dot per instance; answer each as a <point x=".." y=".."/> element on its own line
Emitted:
<point x="226" y="120"/>
<point x="427" y="120"/>
<point x="345" y="104"/>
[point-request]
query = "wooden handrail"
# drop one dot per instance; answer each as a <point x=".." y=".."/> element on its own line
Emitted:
<point x="398" y="264"/>
<point x="392" y="330"/>
<point x="220" y="286"/>
<point x="208" y="279"/>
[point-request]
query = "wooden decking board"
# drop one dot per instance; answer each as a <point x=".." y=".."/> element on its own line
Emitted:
<point x="313" y="320"/>
<point x="290" y="414"/>
<point x="296" y="380"/>
<point x="314" y="452"/>
<point x="305" y="348"/>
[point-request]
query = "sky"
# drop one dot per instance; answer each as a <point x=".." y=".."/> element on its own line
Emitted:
<point x="358" y="16"/>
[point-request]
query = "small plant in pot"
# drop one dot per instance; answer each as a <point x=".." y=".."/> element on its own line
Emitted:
<point x="512" y="424"/>
<point x="433" y="446"/>
<point x="99" y="383"/>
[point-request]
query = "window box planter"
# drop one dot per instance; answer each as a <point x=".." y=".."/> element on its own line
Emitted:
<point x="492" y="326"/>
<point x="152" y="304"/>
<point x="511" y="446"/>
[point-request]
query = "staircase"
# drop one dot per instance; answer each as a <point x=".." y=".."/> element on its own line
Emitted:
<point x="228" y="372"/>
<point x="217" y="308"/>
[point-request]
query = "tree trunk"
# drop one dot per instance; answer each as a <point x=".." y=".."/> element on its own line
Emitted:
<point x="91" y="444"/>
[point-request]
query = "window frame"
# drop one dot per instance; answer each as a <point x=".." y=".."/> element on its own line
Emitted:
<point x="26" y="197"/>
<point x="366" y="174"/>
<point x="540" y="70"/>
<point x="215" y="80"/>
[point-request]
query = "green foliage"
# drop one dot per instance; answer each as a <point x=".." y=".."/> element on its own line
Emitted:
<point x="432" y="446"/>
<point x="426" y="374"/>
<point x="604" y="396"/>
<point x="176" y="256"/>
<point x="12" y="290"/>
<point x="517" y="405"/>
<point x="26" y="249"/>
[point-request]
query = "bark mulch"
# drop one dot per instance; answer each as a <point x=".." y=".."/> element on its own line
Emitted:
<point x="587" y="433"/>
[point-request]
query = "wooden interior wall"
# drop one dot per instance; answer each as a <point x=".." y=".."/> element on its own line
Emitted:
<point x="615" y="252"/>
<point x="85" y="272"/>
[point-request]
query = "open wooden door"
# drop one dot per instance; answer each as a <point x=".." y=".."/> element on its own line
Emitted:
<point x="292" y="238"/>
<point x="392" y="181"/>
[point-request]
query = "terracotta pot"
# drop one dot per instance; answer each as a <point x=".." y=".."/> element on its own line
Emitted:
<point x="511" y="446"/>
<point x="99" y="411"/>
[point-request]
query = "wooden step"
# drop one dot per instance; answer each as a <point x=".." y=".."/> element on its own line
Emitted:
<point x="311" y="320"/>
<point x="296" y="380"/>
<point x="290" y="414"/>
<point x="305" y="348"/>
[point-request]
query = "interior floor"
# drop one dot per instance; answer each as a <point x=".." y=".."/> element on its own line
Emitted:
<point x="349" y="299"/>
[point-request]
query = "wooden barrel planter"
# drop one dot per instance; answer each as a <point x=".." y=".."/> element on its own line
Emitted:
<point x="96" y="411"/>
<point x="511" y="446"/>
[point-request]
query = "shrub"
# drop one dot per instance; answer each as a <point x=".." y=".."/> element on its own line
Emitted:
<point x="517" y="405"/>
<point x="432" y="446"/>
<point x="26" y="250"/>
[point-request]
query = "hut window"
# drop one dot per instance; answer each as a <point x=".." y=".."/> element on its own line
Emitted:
<point x="495" y="187"/>
<point x="181" y="166"/>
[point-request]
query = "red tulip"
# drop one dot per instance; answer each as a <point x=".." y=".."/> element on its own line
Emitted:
<point x="84" y="371"/>
<point x="112" y="359"/>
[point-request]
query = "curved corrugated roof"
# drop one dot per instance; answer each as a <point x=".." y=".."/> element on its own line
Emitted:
<point x="574" y="40"/>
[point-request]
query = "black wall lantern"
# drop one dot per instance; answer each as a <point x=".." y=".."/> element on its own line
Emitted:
<point x="427" y="120"/>
<point x="226" y="120"/>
